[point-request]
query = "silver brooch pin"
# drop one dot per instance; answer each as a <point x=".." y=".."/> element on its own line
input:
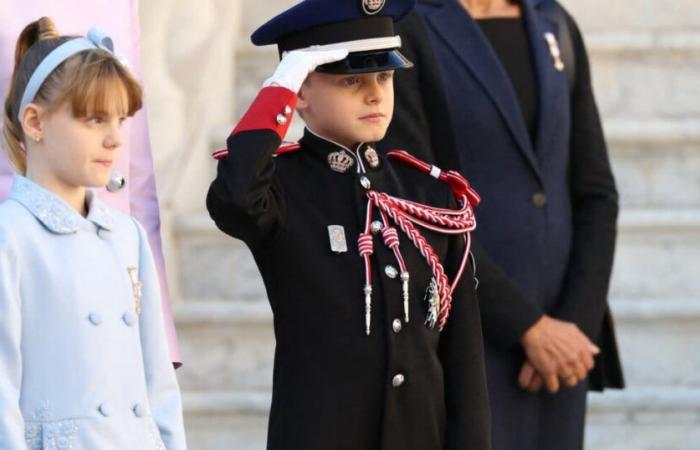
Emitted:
<point x="554" y="50"/>
<point x="336" y="235"/>
<point x="432" y="296"/>
<point x="372" y="157"/>
<point x="136" y="286"/>
<point x="340" y="161"/>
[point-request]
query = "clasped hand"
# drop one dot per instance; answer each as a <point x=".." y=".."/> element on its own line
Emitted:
<point x="558" y="353"/>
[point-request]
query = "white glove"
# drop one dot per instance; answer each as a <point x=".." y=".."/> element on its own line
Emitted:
<point x="297" y="65"/>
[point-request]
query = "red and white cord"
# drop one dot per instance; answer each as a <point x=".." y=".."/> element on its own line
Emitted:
<point x="407" y="215"/>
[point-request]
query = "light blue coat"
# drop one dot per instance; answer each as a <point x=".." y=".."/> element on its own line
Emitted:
<point x="79" y="368"/>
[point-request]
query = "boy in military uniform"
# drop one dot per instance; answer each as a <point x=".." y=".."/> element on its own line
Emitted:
<point x="364" y="257"/>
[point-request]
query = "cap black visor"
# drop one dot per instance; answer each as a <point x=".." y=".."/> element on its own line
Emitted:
<point x="367" y="62"/>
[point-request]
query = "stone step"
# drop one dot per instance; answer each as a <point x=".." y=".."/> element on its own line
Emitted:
<point x="652" y="131"/>
<point x="225" y="344"/>
<point x="641" y="418"/>
<point x="213" y="265"/>
<point x="638" y="15"/>
<point x="646" y="75"/>
<point x="656" y="162"/>
<point x="226" y="420"/>
<point x="642" y="42"/>
<point x="644" y="418"/>
<point x="658" y="341"/>
<point x="657" y="257"/>
<point x="230" y="345"/>
<point x="592" y="15"/>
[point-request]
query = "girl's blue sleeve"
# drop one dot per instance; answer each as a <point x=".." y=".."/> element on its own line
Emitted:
<point x="163" y="391"/>
<point x="11" y="420"/>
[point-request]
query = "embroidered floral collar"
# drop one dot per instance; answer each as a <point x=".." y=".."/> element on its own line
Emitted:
<point x="54" y="213"/>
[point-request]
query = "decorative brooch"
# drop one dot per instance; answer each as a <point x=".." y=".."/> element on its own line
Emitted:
<point x="136" y="286"/>
<point x="372" y="157"/>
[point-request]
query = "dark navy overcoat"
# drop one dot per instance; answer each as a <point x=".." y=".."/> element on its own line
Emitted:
<point x="547" y="222"/>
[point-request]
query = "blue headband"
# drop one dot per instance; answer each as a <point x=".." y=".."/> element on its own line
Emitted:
<point x="95" y="39"/>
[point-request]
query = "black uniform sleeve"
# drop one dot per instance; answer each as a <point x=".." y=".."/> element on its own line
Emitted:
<point x="246" y="200"/>
<point x="505" y="311"/>
<point x="420" y="127"/>
<point x="595" y="207"/>
<point x="462" y="356"/>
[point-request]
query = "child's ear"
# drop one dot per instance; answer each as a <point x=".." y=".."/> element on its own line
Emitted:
<point x="302" y="103"/>
<point x="32" y="123"/>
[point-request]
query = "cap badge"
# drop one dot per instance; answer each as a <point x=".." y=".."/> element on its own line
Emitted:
<point x="372" y="7"/>
<point x="340" y="161"/>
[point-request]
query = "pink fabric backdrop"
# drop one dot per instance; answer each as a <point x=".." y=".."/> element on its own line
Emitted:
<point x="120" y="19"/>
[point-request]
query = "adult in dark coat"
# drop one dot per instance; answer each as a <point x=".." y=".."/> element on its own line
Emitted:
<point x="535" y="151"/>
<point x="346" y="378"/>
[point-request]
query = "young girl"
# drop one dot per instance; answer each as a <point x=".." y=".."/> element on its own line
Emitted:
<point x="132" y="188"/>
<point x="83" y="355"/>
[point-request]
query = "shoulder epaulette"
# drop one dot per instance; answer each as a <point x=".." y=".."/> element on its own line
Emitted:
<point x="284" y="148"/>
<point x="287" y="147"/>
<point x="220" y="154"/>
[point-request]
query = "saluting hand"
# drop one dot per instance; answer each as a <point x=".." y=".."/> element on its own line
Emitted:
<point x="298" y="64"/>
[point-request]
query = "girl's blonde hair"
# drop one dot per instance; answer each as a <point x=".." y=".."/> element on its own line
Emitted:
<point x="87" y="80"/>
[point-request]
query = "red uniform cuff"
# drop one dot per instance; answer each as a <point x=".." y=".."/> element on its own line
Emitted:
<point x="272" y="109"/>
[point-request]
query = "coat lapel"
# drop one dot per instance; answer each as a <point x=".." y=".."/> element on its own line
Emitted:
<point x="463" y="36"/>
<point x="551" y="83"/>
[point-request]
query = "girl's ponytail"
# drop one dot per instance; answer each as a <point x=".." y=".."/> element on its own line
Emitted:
<point x="39" y="30"/>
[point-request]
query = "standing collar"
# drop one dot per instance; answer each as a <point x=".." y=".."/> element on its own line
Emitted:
<point x="55" y="214"/>
<point x="321" y="147"/>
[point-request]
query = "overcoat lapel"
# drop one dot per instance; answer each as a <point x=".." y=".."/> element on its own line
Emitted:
<point x="462" y="35"/>
<point x="551" y="83"/>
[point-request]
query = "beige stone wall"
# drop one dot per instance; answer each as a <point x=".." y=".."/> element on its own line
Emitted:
<point x="188" y="50"/>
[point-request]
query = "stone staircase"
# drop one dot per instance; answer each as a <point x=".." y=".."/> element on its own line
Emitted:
<point x="646" y="62"/>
